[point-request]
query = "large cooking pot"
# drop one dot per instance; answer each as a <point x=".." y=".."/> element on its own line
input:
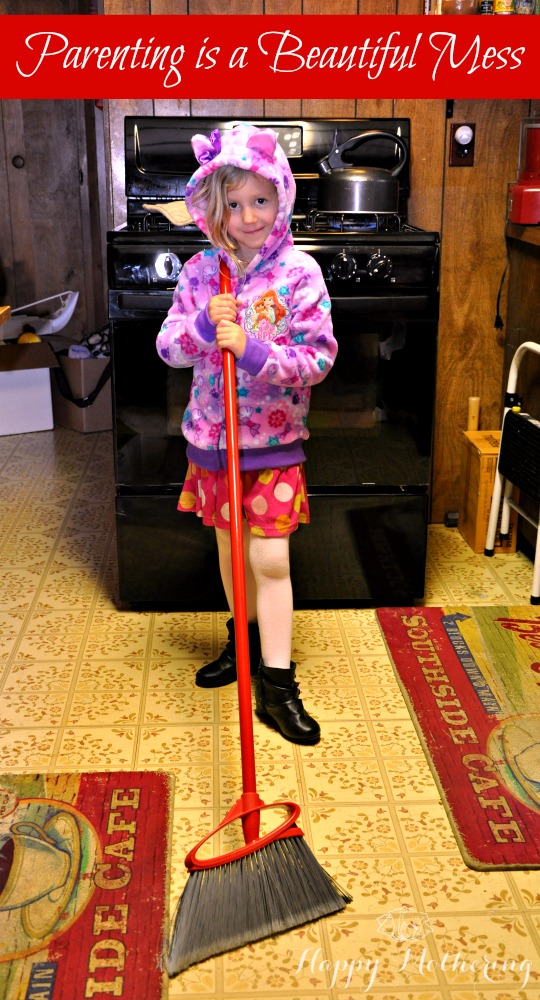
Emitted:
<point x="344" y="187"/>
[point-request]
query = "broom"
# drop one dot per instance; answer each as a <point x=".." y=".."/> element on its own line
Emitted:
<point x="273" y="882"/>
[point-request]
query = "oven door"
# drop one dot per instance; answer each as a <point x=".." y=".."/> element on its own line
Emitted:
<point x="371" y="420"/>
<point x="149" y="397"/>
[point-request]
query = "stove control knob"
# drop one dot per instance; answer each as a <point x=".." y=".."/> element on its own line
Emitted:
<point x="168" y="265"/>
<point x="379" y="265"/>
<point x="343" y="266"/>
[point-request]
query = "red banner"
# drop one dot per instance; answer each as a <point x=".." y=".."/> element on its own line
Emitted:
<point x="262" y="56"/>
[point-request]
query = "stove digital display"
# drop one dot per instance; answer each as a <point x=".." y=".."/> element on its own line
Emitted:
<point x="290" y="137"/>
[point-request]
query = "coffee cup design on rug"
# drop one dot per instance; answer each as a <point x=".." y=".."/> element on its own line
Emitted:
<point x="32" y="865"/>
<point x="47" y="855"/>
<point x="517" y="741"/>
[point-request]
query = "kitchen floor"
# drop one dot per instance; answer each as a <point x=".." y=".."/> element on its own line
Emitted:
<point x="85" y="686"/>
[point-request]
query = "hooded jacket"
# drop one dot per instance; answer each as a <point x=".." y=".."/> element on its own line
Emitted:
<point x="284" y="311"/>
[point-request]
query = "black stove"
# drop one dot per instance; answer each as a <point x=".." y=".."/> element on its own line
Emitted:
<point x="369" y="453"/>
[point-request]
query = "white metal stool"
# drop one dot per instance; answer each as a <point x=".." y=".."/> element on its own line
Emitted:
<point x="518" y="465"/>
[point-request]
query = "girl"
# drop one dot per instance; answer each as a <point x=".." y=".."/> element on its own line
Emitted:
<point x="242" y="197"/>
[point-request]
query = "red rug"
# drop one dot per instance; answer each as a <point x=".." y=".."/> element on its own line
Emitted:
<point x="471" y="680"/>
<point x="84" y="862"/>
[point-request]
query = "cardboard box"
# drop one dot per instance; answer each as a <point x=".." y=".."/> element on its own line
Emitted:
<point x="478" y="468"/>
<point x="80" y="410"/>
<point x="25" y="387"/>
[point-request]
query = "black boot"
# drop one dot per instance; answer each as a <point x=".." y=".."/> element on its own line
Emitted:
<point x="223" y="670"/>
<point x="277" y="701"/>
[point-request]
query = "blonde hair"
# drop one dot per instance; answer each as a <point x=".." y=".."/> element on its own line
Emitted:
<point x="211" y="197"/>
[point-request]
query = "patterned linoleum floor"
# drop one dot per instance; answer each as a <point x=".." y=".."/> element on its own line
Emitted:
<point x="84" y="686"/>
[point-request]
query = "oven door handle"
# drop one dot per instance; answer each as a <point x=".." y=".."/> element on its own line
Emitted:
<point x="133" y="305"/>
<point x="423" y="306"/>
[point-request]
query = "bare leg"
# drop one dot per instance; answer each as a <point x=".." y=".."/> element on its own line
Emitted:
<point x="223" y="537"/>
<point x="269" y="558"/>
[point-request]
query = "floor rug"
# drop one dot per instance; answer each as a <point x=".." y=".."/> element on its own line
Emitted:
<point x="84" y="862"/>
<point x="471" y="680"/>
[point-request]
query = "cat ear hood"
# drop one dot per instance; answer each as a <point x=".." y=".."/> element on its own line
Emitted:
<point x="249" y="148"/>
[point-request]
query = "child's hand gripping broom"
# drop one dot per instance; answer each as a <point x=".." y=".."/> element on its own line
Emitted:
<point x="271" y="883"/>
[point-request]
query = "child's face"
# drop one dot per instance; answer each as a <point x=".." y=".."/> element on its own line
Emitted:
<point x="253" y="209"/>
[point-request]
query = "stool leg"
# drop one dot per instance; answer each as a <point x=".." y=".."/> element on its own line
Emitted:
<point x="494" y="514"/>
<point x="505" y="515"/>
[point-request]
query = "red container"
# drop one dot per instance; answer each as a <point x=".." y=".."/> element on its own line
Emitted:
<point x="529" y="165"/>
<point x="524" y="195"/>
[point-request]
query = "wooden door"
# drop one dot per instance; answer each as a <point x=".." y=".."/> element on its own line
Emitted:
<point x="50" y="213"/>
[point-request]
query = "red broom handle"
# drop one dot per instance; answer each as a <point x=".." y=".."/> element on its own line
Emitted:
<point x="250" y="822"/>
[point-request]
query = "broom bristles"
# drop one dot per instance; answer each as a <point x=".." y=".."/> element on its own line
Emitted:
<point x="276" y="888"/>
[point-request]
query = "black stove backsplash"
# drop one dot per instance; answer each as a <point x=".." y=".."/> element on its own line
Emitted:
<point x="160" y="160"/>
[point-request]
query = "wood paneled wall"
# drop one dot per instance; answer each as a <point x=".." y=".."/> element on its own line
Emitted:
<point x="38" y="7"/>
<point x="471" y="349"/>
<point x="467" y="205"/>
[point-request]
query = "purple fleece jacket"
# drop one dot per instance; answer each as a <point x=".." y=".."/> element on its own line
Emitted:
<point x="285" y="312"/>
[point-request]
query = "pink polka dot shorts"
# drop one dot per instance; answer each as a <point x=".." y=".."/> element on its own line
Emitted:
<point x="274" y="500"/>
